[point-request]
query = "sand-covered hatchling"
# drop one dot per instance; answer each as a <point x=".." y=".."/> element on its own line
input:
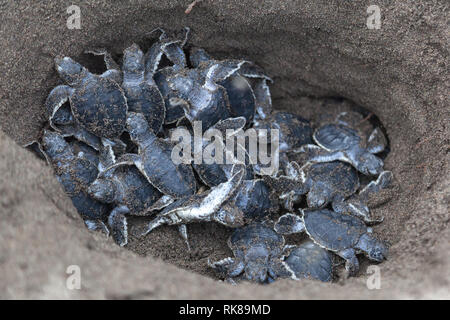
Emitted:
<point x="257" y="253"/>
<point x="98" y="103"/>
<point x="203" y="207"/>
<point x="154" y="160"/>
<point x="342" y="234"/>
<point x="341" y="142"/>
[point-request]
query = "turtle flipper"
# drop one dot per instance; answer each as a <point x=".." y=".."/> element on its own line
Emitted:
<point x="376" y="142"/>
<point x="318" y="154"/>
<point x="229" y="267"/>
<point x="55" y="100"/>
<point x="155" y="223"/>
<point x="109" y="61"/>
<point x="182" y="228"/>
<point x="117" y="221"/>
<point x="351" y="261"/>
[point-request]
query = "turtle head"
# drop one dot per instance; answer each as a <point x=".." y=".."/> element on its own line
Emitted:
<point x="103" y="190"/>
<point x="137" y="126"/>
<point x="133" y="60"/>
<point x="230" y="216"/>
<point x="378" y="252"/>
<point x="318" y="196"/>
<point x="54" y="144"/>
<point x="69" y="70"/>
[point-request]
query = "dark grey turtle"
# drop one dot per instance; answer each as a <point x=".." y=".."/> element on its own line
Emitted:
<point x="97" y="102"/>
<point x="310" y="261"/>
<point x="142" y="94"/>
<point x="322" y="182"/>
<point x="214" y="139"/>
<point x="205" y="99"/>
<point x="340" y="142"/>
<point x="257" y="253"/>
<point x="239" y="92"/>
<point x="203" y="207"/>
<point x="294" y="131"/>
<point x="129" y="191"/>
<point x="345" y="235"/>
<point x="154" y="160"/>
<point x="75" y="174"/>
<point x="173" y="50"/>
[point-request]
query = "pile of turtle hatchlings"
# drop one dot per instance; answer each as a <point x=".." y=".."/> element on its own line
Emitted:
<point x="108" y="142"/>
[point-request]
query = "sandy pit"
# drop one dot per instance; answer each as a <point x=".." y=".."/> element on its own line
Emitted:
<point x="313" y="50"/>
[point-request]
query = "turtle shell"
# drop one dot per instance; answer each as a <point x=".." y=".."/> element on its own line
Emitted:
<point x="341" y="177"/>
<point x="294" y="130"/>
<point x="139" y="194"/>
<point x="146" y="99"/>
<point x="177" y="180"/>
<point x="253" y="198"/>
<point x="333" y="231"/>
<point x="311" y="261"/>
<point x="240" y="97"/>
<point x="336" y="137"/>
<point x="256" y="234"/>
<point x="100" y="106"/>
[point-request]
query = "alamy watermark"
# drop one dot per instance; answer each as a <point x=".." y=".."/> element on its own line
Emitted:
<point x="374" y="18"/>
<point x="74" y="20"/>
<point x="250" y="146"/>
<point x="73" y="281"/>
<point x="374" y="280"/>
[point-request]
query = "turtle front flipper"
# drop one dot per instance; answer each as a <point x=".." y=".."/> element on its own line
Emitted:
<point x="182" y="228"/>
<point x="318" y="154"/>
<point x="228" y="267"/>
<point x="376" y="142"/>
<point x="117" y="221"/>
<point x="54" y="102"/>
<point x="351" y="261"/>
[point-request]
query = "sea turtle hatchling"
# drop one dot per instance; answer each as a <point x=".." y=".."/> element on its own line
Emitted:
<point x="172" y="49"/>
<point x="75" y="173"/>
<point x="97" y="102"/>
<point x="257" y="253"/>
<point x="129" y="191"/>
<point x="142" y="94"/>
<point x="310" y="261"/>
<point x="340" y="142"/>
<point x="154" y="160"/>
<point x="239" y="92"/>
<point x="203" y="207"/>
<point x="342" y="234"/>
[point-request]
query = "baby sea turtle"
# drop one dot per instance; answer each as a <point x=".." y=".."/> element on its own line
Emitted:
<point x="340" y="142"/>
<point x="322" y="182"/>
<point x="154" y="160"/>
<point x="173" y="50"/>
<point x="142" y="94"/>
<point x="97" y="102"/>
<point x="310" y="261"/>
<point x="206" y="206"/>
<point x="75" y="174"/>
<point x="257" y="253"/>
<point x="239" y="92"/>
<point x="205" y="99"/>
<point x="343" y="234"/>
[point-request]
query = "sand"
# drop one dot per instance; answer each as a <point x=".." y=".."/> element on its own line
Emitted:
<point x="313" y="50"/>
